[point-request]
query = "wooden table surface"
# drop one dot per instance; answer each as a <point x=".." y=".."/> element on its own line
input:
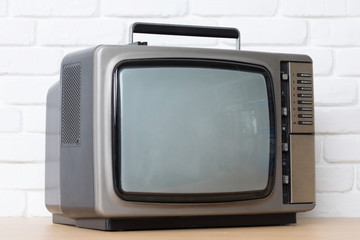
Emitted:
<point x="305" y="229"/>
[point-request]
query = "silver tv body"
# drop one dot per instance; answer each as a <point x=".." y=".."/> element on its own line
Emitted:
<point x="79" y="145"/>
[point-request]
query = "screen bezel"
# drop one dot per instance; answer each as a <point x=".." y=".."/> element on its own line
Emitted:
<point x="192" y="197"/>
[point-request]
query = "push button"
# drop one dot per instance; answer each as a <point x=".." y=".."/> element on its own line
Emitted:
<point x="284" y="111"/>
<point x="305" y="109"/>
<point x="286" y="179"/>
<point x="304" y="95"/>
<point x="305" y="115"/>
<point x="304" y="81"/>
<point x="285" y="76"/>
<point x="305" y="122"/>
<point x="304" y="74"/>
<point x="285" y="147"/>
<point x="305" y="102"/>
<point x="304" y="88"/>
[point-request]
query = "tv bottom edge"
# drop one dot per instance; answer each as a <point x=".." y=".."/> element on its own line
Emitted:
<point x="178" y="222"/>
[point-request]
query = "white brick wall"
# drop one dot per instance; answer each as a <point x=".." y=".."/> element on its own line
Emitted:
<point x="342" y="148"/>
<point x="341" y="178"/>
<point x="334" y="94"/>
<point x="343" y="64"/>
<point x="54" y="8"/>
<point x="19" y="176"/>
<point x="35" y="35"/>
<point x="144" y="8"/>
<point x="25" y="90"/>
<point x="337" y="119"/>
<point x="269" y="31"/>
<point x="22" y="147"/>
<point x="310" y="8"/>
<point x="212" y="8"/>
<point x="3" y="7"/>
<point x="335" y="32"/>
<point x="13" y="203"/>
<point x="10" y="120"/>
<point x="29" y="60"/>
<point x="17" y="32"/>
<point x="358" y="178"/>
<point x="75" y="32"/>
<point x="34" y="119"/>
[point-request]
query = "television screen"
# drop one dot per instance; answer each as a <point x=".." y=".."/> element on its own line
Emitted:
<point x="192" y="128"/>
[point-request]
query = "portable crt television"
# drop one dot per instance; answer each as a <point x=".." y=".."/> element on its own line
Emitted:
<point x="143" y="137"/>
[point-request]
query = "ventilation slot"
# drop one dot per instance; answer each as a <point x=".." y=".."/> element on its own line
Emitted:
<point x="70" y="110"/>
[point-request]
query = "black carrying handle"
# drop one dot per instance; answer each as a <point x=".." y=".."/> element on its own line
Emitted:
<point x="185" y="30"/>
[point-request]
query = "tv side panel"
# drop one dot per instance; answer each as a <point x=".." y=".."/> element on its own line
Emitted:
<point x="52" y="152"/>
<point x="76" y="135"/>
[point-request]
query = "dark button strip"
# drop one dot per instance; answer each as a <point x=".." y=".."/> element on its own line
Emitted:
<point x="305" y="102"/>
<point x="304" y="74"/>
<point x="305" y="95"/>
<point x="305" y="115"/>
<point x="305" y="109"/>
<point x="304" y="88"/>
<point x="304" y="81"/>
<point x="305" y="122"/>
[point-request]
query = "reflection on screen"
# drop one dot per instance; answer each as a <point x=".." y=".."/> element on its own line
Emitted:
<point x="193" y="130"/>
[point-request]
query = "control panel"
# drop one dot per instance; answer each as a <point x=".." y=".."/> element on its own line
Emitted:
<point x="301" y="97"/>
<point x="298" y="150"/>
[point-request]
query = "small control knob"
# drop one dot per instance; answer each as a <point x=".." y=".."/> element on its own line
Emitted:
<point x="286" y="179"/>
<point x="285" y="147"/>
<point x="284" y="111"/>
<point x="285" y="76"/>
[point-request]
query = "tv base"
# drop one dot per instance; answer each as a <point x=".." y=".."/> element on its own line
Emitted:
<point x="152" y="223"/>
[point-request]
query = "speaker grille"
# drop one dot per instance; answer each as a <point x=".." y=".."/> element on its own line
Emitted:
<point x="70" y="100"/>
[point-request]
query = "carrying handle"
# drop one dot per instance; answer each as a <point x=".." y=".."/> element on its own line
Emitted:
<point x="185" y="30"/>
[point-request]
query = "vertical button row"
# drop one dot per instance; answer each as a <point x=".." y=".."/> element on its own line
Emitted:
<point x="301" y="88"/>
<point x="301" y="97"/>
<point x="285" y="125"/>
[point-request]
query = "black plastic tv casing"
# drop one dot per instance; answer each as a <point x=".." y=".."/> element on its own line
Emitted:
<point x="79" y="144"/>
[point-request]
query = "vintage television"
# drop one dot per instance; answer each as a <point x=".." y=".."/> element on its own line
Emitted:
<point x="145" y="137"/>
